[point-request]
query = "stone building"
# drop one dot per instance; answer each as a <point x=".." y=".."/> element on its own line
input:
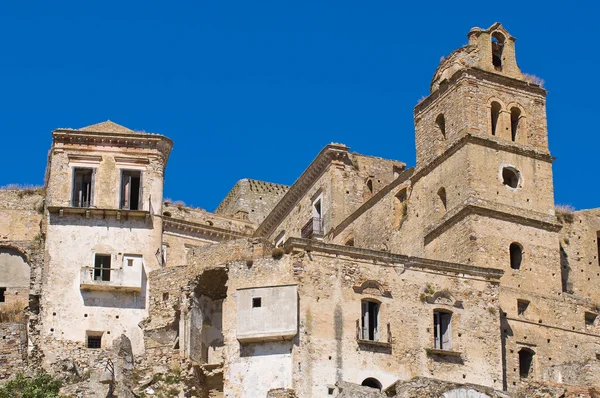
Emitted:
<point x="457" y="276"/>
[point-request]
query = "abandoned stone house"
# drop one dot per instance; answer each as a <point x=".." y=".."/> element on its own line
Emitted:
<point x="460" y="269"/>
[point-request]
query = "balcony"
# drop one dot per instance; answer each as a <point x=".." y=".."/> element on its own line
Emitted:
<point x="110" y="279"/>
<point x="313" y="228"/>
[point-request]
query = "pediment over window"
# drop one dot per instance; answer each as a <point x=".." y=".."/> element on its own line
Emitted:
<point x="444" y="297"/>
<point x="373" y="288"/>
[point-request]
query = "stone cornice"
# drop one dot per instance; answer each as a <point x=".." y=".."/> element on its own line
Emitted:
<point x="64" y="137"/>
<point x="489" y="142"/>
<point x="408" y="262"/>
<point x="492" y="210"/>
<point x="306" y="180"/>
<point x="406" y="174"/>
<point x="173" y="224"/>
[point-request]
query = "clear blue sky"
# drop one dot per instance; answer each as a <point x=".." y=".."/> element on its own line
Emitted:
<point x="255" y="89"/>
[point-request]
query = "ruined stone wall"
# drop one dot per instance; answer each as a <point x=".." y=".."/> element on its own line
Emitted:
<point x="13" y="348"/>
<point x="251" y="200"/>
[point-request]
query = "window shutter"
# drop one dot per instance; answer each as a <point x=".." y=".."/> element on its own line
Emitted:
<point x="77" y="188"/>
<point x="365" y="320"/>
<point x="125" y="189"/>
<point x="93" y="182"/>
<point x="140" y="198"/>
<point x="436" y="329"/>
<point x="375" y="321"/>
<point x="445" y="319"/>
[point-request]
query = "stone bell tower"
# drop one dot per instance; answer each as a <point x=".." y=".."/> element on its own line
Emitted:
<point x="482" y="154"/>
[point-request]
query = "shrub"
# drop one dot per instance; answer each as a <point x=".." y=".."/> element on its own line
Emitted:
<point x="42" y="385"/>
<point x="12" y="313"/>
<point x="277" y="253"/>
<point x="534" y="79"/>
<point x="564" y="213"/>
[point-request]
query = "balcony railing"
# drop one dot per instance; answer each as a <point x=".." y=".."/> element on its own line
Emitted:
<point x="313" y="228"/>
<point x="91" y="279"/>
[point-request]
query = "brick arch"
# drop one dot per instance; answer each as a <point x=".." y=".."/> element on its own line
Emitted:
<point x="21" y="251"/>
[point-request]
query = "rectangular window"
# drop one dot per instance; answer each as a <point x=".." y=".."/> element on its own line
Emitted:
<point x="93" y="340"/>
<point x="82" y="194"/>
<point x="256" y="302"/>
<point x="441" y="330"/>
<point x="522" y="306"/>
<point x="2" y="294"/>
<point x="590" y="319"/>
<point x="131" y="190"/>
<point x="370" y="320"/>
<point x="102" y="267"/>
<point x="598" y="246"/>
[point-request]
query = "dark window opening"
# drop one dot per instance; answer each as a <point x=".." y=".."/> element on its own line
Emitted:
<point x="598" y="245"/>
<point x="371" y="382"/>
<point x="2" y="294"/>
<point x="83" y="187"/>
<point x="522" y="306"/>
<point x="516" y="255"/>
<point x="94" y="341"/>
<point x="370" y="185"/>
<point x="515" y="116"/>
<point x="440" y="121"/>
<point x="370" y="320"/>
<point x="525" y="362"/>
<point x="495" y="116"/>
<point x="510" y="177"/>
<point x="442" y="331"/>
<point x="350" y="242"/>
<point x="256" y="302"/>
<point x="131" y="190"/>
<point x="102" y="267"/>
<point x="317" y="209"/>
<point x="497" y="48"/>
<point x="442" y="196"/>
<point x="590" y="318"/>
<point x="165" y="296"/>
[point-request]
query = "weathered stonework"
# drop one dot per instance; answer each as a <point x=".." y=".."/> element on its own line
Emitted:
<point x="455" y="278"/>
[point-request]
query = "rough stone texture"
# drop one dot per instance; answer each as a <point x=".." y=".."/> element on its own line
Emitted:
<point x="13" y="348"/>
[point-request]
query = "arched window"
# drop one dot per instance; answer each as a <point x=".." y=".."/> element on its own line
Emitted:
<point x="370" y="185"/>
<point x="495" y="116"/>
<point x="440" y="122"/>
<point x="515" y="115"/>
<point x="442" y="331"/>
<point x="442" y="195"/>
<point x="516" y="255"/>
<point x="370" y="320"/>
<point x="511" y="177"/>
<point x="497" y="48"/>
<point x="525" y="362"/>
<point x="371" y="382"/>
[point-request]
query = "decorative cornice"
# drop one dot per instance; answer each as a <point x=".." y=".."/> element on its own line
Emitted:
<point x="306" y="180"/>
<point x="406" y="174"/>
<point x="487" y="141"/>
<point x="173" y="224"/>
<point x="492" y="210"/>
<point x="409" y="262"/>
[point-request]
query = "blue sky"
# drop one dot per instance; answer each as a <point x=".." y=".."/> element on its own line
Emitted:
<point x="255" y="89"/>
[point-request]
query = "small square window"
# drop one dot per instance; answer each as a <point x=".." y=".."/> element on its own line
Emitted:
<point x="2" y="294"/>
<point x="330" y="390"/>
<point x="590" y="318"/>
<point x="130" y="262"/>
<point x="522" y="306"/>
<point x="94" y="341"/>
<point x="256" y="302"/>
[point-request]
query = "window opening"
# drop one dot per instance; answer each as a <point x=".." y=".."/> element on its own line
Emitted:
<point x="440" y="121"/>
<point x="370" y="185"/>
<point x="317" y="209"/>
<point x="372" y="382"/>
<point x="442" y="196"/>
<point x="94" y="341"/>
<point x="497" y="48"/>
<point x="516" y="255"/>
<point x="525" y="362"/>
<point x="102" y="267"/>
<point x="510" y="177"/>
<point x="495" y="116"/>
<point x="370" y="320"/>
<point x="130" y="262"/>
<point x="350" y="242"/>
<point x="83" y="187"/>
<point x="442" y="330"/>
<point x="131" y="190"/>
<point x="522" y="306"/>
<point x="2" y="294"/>
<point x="590" y="318"/>
<point x="256" y="302"/>
<point x="515" y="116"/>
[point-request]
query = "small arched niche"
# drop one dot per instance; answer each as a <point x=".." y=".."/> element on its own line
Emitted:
<point x="442" y="199"/>
<point x="515" y="117"/>
<point x="498" y="40"/>
<point x="372" y="382"/>
<point x="511" y="177"/>
<point x="496" y="108"/>
<point x="526" y="362"/>
<point x="440" y="123"/>
<point x="516" y="255"/>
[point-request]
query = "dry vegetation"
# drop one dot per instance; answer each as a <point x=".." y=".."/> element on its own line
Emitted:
<point x="11" y="313"/>
<point x="564" y="213"/>
<point x="534" y="79"/>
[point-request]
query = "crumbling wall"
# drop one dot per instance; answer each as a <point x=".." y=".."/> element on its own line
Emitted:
<point x="13" y="348"/>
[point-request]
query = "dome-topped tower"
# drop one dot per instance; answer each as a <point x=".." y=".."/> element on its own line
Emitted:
<point x="492" y="50"/>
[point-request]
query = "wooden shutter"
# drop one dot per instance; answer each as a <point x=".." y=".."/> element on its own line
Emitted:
<point x="77" y="189"/>
<point x="436" y="330"/>
<point x="365" y="320"/>
<point x="140" y="197"/>
<point x="125" y="189"/>
<point x="92" y="183"/>
<point x="445" y="319"/>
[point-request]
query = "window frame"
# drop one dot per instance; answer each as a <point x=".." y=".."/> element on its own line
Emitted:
<point x="92" y="183"/>
<point x="127" y="173"/>
<point x="102" y="271"/>
<point x="370" y="331"/>
<point x="442" y="339"/>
